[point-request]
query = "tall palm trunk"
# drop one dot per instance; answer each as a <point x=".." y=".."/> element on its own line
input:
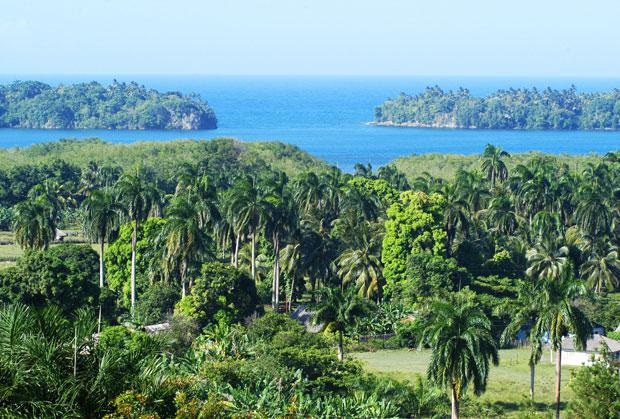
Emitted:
<point x="236" y="257"/>
<point x="183" y="278"/>
<point x="455" y="402"/>
<point x="275" y="290"/>
<point x="101" y="273"/>
<point x="558" y="380"/>
<point x="340" y="346"/>
<point x="532" y="372"/>
<point x="134" y="241"/>
<point x="253" y="263"/>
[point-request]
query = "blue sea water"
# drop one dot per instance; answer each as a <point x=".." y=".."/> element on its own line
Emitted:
<point x="327" y="116"/>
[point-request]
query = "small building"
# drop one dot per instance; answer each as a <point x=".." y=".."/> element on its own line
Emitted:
<point x="571" y="356"/>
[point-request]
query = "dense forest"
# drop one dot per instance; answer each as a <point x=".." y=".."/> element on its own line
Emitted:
<point x="32" y="104"/>
<point x="226" y="245"/>
<point x="547" y="109"/>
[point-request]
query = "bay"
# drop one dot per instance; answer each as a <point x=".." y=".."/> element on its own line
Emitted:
<point x="327" y="116"/>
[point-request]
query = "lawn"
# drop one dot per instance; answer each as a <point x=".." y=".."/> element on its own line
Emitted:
<point x="10" y="251"/>
<point x="508" y="386"/>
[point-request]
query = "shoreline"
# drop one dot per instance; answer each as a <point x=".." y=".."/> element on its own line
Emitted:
<point x="474" y="128"/>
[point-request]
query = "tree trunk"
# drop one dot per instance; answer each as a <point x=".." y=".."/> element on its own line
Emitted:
<point x="558" y="381"/>
<point x="253" y="256"/>
<point x="276" y="274"/>
<point x="101" y="248"/>
<point x="236" y="257"/>
<point x="183" y="275"/>
<point x="291" y="290"/>
<point x="101" y="273"/>
<point x="455" y="402"/>
<point x="134" y="241"/>
<point x="340" y="347"/>
<point x="532" y="372"/>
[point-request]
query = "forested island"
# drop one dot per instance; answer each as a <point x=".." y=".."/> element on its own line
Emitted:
<point x="33" y="104"/>
<point x="547" y="109"/>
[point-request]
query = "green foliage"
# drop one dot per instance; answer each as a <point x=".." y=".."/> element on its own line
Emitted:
<point x="459" y="334"/>
<point x="597" y="389"/>
<point x="377" y="187"/>
<point x="505" y="109"/>
<point x="93" y="106"/>
<point x="65" y="276"/>
<point x="118" y="258"/>
<point x="221" y="294"/>
<point x="613" y="335"/>
<point x="6" y="218"/>
<point x="156" y="303"/>
<point x="413" y="226"/>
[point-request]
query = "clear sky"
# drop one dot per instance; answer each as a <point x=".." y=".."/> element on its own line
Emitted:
<point x="349" y="37"/>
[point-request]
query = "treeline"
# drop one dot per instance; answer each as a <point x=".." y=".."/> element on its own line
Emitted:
<point x="473" y="260"/>
<point x="548" y="109"/>
<point x="76" y="164"/>
<point x="33" y="104"/>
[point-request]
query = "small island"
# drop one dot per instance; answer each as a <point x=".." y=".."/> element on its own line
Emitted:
<point x="33" y="104"/>
<point x="528" y="109"/>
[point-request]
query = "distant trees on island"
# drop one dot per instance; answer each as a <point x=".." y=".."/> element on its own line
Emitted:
<point x="547" y="109"/>
<point x="32" y="104"/>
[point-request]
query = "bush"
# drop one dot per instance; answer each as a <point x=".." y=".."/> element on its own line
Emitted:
<point x="66" y="276"/>
<point x="597" y="389"/>
<point x="156" y="303"/>
<point x="269" y="325"/>
<point x="222" y="294"/>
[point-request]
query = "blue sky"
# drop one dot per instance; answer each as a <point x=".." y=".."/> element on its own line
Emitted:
<point x="380" y="37"/>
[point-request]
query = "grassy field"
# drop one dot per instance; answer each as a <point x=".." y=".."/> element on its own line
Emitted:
<point x="10" y="251"/>
<point x="508" y="386"/>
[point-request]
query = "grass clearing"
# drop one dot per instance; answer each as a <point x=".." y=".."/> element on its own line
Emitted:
<point x="508" y="386"/>
<point x="10" y="250"/>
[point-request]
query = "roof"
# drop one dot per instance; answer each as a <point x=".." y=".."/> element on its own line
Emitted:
<point x="594" y="344"/>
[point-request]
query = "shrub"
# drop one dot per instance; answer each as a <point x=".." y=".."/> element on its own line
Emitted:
<point x="597" y="389"/>
<point x="66" y="276"/>
<point x="222" y="294"/>
<point x="156" y="303"/>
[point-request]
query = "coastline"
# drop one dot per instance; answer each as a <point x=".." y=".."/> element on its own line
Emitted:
<point x="457" y="127"/>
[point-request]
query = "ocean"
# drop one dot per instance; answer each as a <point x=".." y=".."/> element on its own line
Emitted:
<point x="328" y="116"/>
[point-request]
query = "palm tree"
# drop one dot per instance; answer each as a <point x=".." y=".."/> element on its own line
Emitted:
<point x="250" y="210"/>
<point x="594" y="214"/>
<point x="493" y="165"/>
<point x="184" y="237"/>
<point x="459" y="334"/>
<point x="456" y="216"/>
<point x="559" y="316"/>
<point x="473" y="190"/>
<point x="502" y="215"/>
<point x="34" y="228"/>
<point x="393" y="176"/>
<point x="546" y="260"/>
<point x="102" y="215"/>
<point x="337" y="310"/>
<point x="523" y="312"/>
<point x="361" y="264"/>
<point x="602" y="270"/>
<point x="281" y="219"/>
<point x="139" y="197"/>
